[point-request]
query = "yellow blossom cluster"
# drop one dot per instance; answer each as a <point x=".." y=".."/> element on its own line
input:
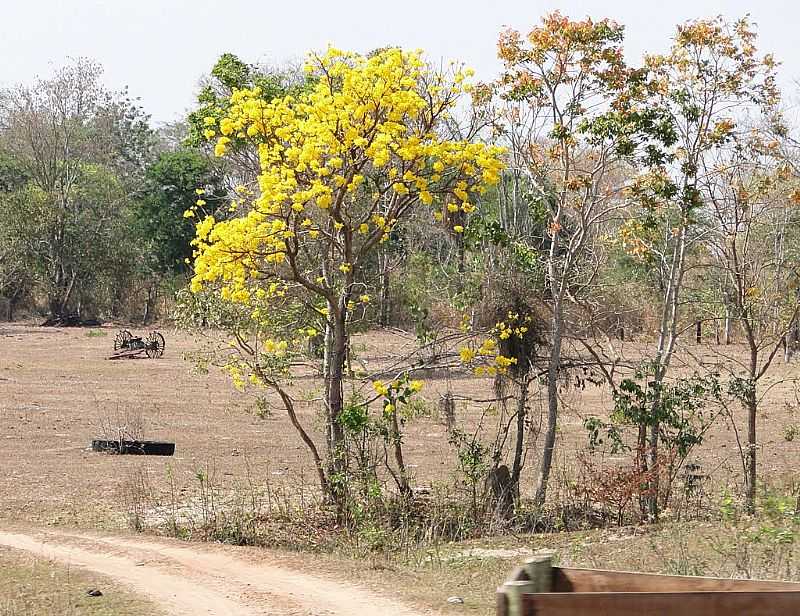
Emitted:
<point x="340" y="165"/>
<point x="383" y="389"/>
<point x="398" y="391"/>
<point x="487" y="357"/>
<point x="504" y="330"/>
<point x="236" y="371"/>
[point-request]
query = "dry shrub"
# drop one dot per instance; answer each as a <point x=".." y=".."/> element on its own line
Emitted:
<point x="136" y="495"/>
<point x="616" y="490"/>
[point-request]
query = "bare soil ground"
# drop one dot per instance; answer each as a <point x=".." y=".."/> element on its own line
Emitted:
<point x="58" y="392"/>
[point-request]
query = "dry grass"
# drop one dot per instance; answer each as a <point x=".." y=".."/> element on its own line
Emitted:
<point x="31" y="586"/>
<point x="472" y="570"/>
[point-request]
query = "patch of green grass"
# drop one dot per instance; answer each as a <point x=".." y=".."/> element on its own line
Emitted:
<point x="96" y="333"/>
<point x="31" y="586"/>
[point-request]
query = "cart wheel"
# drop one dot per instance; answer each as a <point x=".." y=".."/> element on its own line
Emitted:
<point x="154" y="347"/>
<point x="123" y="340"/>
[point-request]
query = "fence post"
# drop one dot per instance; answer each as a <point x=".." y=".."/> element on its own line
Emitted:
<point x="447" y="409"/>
<point x="535" y="576"/>
<point x="514" y="591"/>
<point x="540" y="571"/>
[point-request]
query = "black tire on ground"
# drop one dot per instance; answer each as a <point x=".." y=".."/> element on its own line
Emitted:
<point x="140" y="448"/>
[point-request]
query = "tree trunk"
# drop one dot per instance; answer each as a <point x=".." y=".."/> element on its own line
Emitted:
<point x="519" y="445"/>
<point x="552" y="406"/>
<point x="652" y="464"/>
<point x="790" y="341"/>
<point x="149" y="303"/>
<point x="447" y="410"/>
<point x="336" y="355"/>
<point x="385" y="302"/>
<point x="752" y="473"/>
<point x="641" y="465"/>
<point x="61" y="293"/>
<point x="751" y="404"/>
<point x="667" y="338"/>
<point x="727" y="336"/>
<point x="397" y="445"/>
<point x="327" y="361"/>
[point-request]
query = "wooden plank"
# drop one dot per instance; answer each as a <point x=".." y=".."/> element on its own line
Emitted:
<point x="663" y="604"/>
<point x="501" y="603"/>
<point x="594" y="580"/>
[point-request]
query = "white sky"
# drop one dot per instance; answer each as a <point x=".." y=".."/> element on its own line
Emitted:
<point x="160" y="48"/>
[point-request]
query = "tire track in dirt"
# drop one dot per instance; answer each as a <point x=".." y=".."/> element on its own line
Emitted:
<point x="204" y="579"/>
<point x="175" y="594"/>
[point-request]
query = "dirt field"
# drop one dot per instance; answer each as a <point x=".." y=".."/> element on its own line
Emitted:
<point x="58" y="392"/>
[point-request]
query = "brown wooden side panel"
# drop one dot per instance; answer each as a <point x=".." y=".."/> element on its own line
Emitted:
<point x="501" y="603"/>
<point x="592" y="580"/>
<point x="663" y="604"/>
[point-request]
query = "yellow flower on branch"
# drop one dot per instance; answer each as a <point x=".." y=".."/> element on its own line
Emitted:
<point x="359" y="148"/>
<point x="466" y="354"/>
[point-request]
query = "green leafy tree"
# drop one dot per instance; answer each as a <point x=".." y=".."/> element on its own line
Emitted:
<point x="81" y="149"/>
<point x="173" y="184"/>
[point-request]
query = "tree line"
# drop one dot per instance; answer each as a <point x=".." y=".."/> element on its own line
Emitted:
<point x="91" y="200"/>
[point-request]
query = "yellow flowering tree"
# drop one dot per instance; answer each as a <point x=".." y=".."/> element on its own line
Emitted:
<point x="342" y="163"/>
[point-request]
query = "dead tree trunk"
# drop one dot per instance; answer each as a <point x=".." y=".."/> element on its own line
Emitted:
<point x="447" y="411"/>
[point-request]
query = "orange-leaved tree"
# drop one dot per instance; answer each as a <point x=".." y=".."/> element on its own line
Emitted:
<point x="710" y="81"/>
<point x="570" y="126"/>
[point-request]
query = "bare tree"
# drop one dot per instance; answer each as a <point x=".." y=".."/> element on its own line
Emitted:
<point x="755" y="229"/>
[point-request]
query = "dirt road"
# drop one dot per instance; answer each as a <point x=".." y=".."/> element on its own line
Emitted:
<point x="191" y="579"/>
